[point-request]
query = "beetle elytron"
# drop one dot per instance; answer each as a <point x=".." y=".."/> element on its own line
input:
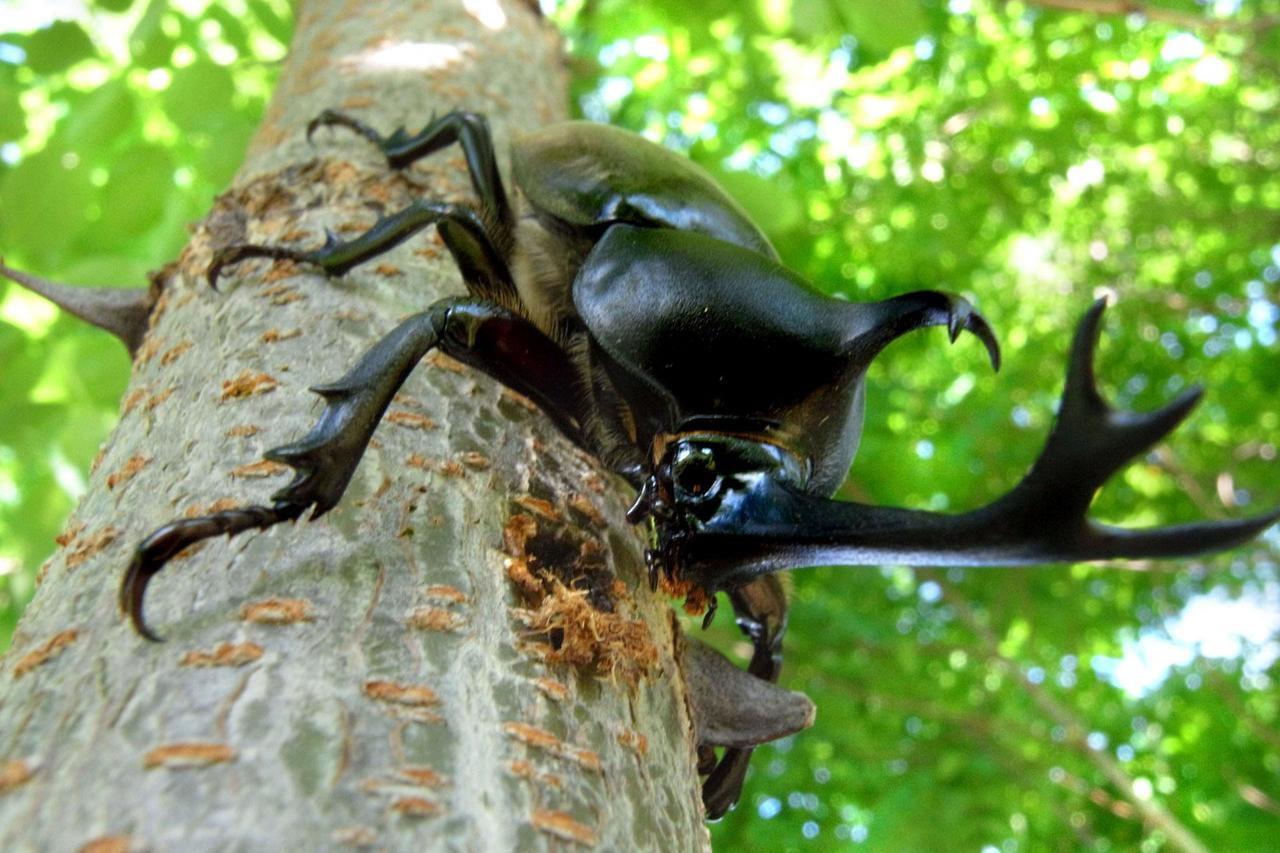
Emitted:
<point x="642" y="310"/>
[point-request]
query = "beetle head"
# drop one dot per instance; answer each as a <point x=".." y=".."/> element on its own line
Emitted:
<point x="709" y="481"/>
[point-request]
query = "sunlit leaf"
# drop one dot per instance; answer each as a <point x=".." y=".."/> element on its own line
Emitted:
<point x="43" y="203"/>
<point x="56" y="47"/>
<point x="102" y="116"/>
<point x="12" y="116"/>
<point x="149" y="44"/>
<point x="137" y="190"/>
<point x="199" y="97"/>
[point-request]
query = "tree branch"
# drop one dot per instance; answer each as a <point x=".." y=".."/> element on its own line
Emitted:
<point x="1153" y="814"/>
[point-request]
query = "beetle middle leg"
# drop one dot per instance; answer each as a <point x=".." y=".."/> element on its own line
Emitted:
<point x="474" y="331"/>
<point x="474" y="243"/>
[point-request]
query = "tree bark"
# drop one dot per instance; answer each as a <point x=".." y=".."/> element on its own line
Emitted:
<point x="367" y="679"/>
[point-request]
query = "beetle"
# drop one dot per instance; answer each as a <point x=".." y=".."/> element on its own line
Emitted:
<point x="644" y="312"/>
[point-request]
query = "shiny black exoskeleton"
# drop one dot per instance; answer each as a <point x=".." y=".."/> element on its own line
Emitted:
<point x="643" y="311"/>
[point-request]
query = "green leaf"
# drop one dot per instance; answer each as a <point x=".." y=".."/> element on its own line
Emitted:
<point x="57" y="47"/>
<point x="813" y="19"/>
<point x="771" y="207"/>
<point x="44" y="203"/>
<point x="13" y="119"/>
<point x="880" y="26"/>
<point x="100" y="118"/>
<point x="149" y="45"/>
<point x="137" y="190"/>
<point x="199" y="98"/>
<point x="279" y="28"/>
<point x="232" y="29"/>
<point x="113" y="5"/>
<point x="219" y="162"/>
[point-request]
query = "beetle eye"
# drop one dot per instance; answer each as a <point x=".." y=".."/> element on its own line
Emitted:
<point x="694" y="471"/>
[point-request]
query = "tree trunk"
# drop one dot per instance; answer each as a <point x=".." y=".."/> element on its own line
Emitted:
<point x="369" y="679"/>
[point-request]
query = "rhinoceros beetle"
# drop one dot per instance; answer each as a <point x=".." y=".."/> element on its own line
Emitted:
<point x="650" y="319"/>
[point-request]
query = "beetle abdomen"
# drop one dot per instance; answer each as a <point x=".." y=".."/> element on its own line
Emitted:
<point x="590" y="174"/>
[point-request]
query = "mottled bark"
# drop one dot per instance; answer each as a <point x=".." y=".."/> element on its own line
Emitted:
<point x="365" y="679"/>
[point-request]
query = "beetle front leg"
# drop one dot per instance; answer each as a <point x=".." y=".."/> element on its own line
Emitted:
<point x="479" y="333"/>
<point x="760" y="609"/>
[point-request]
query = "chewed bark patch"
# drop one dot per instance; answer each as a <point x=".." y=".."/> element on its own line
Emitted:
<point x="575" y="608"/>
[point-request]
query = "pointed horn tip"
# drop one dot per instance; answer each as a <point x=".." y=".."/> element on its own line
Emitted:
<point x="1083" y="347"/>
<point x="1091" y="322"/>
<point x="977" y="325"/>
<point x="982" y="329"/>
<point x="1190" y="397"/>
<point x="1244" y="530"/>
<point x="1267" y="519"/>
<point x="993" y="352"/>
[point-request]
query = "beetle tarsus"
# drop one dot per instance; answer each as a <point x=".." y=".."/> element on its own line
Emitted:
<point x="710" y="615"/>
<point x="653" y="564"/>
<point x="336" y="257"/>
<point x="334" y="118"/>
<point x="324" y="460"/>
<point x="470" y="130"/>
<point x="168" y="541"/>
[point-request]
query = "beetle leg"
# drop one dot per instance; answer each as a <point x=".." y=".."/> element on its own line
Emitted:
<point x="604" y="413"/>
<point x="336" y="256"/>
<point x="479" y="333"/>
<point x="469" y="129"/>
<point x="738" y="711"/>
<point x="760" y="609"/>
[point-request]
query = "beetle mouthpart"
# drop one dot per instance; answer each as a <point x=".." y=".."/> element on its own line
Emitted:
<point x="958" y="320"/>
<point x="711" y="612"/>
<point x="646" y="503"/>
<point x="653" y="562"/>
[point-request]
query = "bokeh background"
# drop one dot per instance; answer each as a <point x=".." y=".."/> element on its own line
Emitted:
<point x="1031" y="155"/>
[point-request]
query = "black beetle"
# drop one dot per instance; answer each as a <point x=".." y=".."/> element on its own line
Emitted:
<point x="646" y="314"/>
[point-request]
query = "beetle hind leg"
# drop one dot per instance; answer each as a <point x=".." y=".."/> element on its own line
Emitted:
<point x="760" y="609"/>
<point x="470" y="130"/>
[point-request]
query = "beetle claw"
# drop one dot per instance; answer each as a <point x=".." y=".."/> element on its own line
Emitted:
<point x="229" y="255"/>
<point x="653" y="563"/>
<point x="710" y="614"/>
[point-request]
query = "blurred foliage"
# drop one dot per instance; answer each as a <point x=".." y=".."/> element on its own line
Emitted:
<point x="1032" y="155"/>
<point x="119" y="122"/>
